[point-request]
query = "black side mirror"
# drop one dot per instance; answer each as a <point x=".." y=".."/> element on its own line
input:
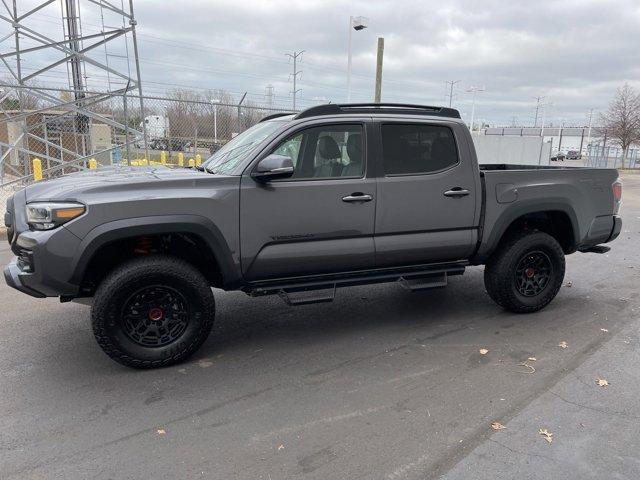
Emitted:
<point x="272" y="167"/>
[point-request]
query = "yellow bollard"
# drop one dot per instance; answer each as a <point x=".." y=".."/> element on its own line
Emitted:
<point x="163" y="157"/>
<point x="93" y="164"/>
<point x="37" y="169"/>
<point x="198" y="160"/>
<point x="181" y="159"/>
<point x="192" y="162"/>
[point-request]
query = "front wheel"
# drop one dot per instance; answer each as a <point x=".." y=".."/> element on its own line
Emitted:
<point x="526" y="272"/>
<point x="152" y="312"/>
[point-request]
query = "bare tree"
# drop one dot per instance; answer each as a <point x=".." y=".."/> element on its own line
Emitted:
<point x="622" y="120"/>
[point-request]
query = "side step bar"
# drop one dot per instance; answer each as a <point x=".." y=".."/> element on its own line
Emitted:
<point x="294" y="301"/>
<point x="596" y="249"/>
<point x="413" y="278"/>
<point x="437" y="280"/>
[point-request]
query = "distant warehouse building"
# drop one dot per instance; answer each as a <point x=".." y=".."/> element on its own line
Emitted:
<point x="561" y="139"/>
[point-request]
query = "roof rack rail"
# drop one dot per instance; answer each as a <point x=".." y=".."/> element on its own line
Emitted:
<point x="402" y="108"/>
<point x="275" y="115"/>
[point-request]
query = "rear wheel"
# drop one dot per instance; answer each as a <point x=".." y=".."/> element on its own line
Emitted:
<point x="152" y="312"/>
<point x="526" y="272"/>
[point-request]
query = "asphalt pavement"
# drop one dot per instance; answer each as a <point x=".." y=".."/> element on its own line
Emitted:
<point x="381" y="383"/>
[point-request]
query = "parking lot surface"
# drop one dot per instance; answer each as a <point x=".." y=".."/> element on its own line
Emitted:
<point x="381" y="383"/>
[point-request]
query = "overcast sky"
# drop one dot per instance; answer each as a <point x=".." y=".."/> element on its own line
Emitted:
<point x="575" y="53"/>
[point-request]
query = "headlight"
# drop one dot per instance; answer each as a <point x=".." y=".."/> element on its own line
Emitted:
<point x="46" y="215"/>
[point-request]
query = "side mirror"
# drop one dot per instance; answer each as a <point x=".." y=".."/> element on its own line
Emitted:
<point x="272" y="167"/>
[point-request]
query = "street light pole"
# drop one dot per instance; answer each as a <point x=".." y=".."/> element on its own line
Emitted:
<point x="215" y="102"/>
<point x="349" y="62"/>
<point x="589" y="132"/>
<point x="357" y="23"/>
<point x="474" y="90"/>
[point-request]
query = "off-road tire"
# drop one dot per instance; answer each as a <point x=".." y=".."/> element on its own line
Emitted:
<point x="158" y="272"/>
<point x="500" y="271"/>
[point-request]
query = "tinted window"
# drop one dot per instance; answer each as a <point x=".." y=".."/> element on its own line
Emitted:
<point x="416" y="148"/>
<point x="328" y="151"/>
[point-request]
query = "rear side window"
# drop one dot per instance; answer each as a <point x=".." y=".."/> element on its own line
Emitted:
<point x="417" y="148"/>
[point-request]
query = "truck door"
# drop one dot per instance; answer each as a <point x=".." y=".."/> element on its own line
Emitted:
<point x="427" y="194"/>
<point x="321" y="219"/>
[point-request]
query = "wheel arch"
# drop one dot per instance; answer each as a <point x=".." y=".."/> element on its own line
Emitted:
<point x="193" y="225"/>
<point x="558" y="219"/>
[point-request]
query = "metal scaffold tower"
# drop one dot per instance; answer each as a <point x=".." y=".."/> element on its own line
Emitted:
<point x="68" y="91"/>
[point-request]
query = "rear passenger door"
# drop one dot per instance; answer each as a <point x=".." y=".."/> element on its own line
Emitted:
<point x="426" y="204"/>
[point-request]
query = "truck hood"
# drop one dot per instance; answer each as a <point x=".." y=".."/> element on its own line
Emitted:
<point x="113" y="180"/>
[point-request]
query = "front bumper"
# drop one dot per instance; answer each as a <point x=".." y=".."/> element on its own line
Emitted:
<point x="12" y="277"/>
<point x="44" y="259"/>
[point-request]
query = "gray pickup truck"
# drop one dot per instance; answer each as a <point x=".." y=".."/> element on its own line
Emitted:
<point x="298" y="205"/>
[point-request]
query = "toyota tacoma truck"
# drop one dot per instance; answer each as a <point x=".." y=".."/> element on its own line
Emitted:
<point x="298" y="205"/>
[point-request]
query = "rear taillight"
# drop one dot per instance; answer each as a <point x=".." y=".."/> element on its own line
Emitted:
<point x="617" y="195"/>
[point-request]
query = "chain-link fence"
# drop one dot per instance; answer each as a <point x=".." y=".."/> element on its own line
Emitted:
<point x="612" y="157"/>
<point x="41" y="138"/>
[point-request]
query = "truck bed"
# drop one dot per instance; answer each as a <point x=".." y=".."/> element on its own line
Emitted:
<point x="581" y="197"/>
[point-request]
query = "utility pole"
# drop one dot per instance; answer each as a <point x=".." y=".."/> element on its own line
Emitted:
<point x="269" y="95"/>
<point x="73" y="34"/>
<point x="378" y="91"/>
<point x="538" y="100"/>
<point x="451" y="84"/>
<point x="294" y="56"/>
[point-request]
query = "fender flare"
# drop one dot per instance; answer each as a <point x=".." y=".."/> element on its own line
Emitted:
<point x="157" y="224"/>
<point x="519" y="209"/>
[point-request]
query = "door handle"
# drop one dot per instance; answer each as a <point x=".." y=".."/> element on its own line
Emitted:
<point x="457" y="192"/>
<point x="357" y="197"/>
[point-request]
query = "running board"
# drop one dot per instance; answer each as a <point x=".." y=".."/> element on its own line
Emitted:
<point x="418" y="277"/>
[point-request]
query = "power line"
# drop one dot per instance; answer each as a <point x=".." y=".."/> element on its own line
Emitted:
<point x="451" y="83"/>
<point x="294" y="56"/>
<point x="538" y="100"/>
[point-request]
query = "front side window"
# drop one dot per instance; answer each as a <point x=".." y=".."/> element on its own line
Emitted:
<point x="417" y="149"/>
<point x="328" y="151"/>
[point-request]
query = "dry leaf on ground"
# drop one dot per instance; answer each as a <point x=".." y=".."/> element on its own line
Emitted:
<point x="280" y="447"/>
<point x="483" y="351"/>
<point x="497" y="426"/>
<point x="563" y="344"/>
<point x="530" y="367"/>
<point x="602" y="382"/>
<point x="546" y="434"/>
<point x="161" y="431"/>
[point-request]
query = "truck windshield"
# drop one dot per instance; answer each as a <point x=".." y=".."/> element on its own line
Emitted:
<point x="237" y="149"/>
